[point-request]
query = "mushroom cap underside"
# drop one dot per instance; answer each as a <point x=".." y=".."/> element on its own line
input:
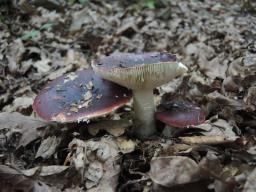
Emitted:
<point x="139" y="70"/>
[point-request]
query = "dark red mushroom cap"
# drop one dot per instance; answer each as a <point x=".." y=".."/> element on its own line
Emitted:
<point x="79" y="96"/>
<point x="127" y="60"/>
<point x="180" y="114"/>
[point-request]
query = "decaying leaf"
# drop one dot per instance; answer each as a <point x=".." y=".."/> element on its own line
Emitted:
<point x="250" y="184"/>
<point x="223" y="101"/>
<point x="54" y="175"/>
<point x="20" y="104"/>
<point x="12" y="180"/>
<point x="125" y="145"/>
<point x="113" y="127"/>
<point x="48" y="147"/>
<point x="173" y="170"/>
<point x="27" y="126"/>
<point x="220" y="127"/>
<point x="15" y="57"/>
<point x="96" y="161"/>
<point x="207" y="140"/>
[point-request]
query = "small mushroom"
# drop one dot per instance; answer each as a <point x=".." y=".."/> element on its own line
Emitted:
<point x="179" y="114"/>
<point x="140" y="72"/>
<point x="79" y="96"/>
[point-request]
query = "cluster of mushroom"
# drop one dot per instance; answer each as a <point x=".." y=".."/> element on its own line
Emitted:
<point x="112" y="82"/>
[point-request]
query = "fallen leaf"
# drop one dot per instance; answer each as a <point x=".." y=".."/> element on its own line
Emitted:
<point x="17" y="50"/>
<point x="14" y="180"/>
<point x="219" y="127"/>
<point x="217" y="67"/>
<point x="207" y="140"/>
<point x="113" y="127"/>
<point x="42" y="66"/>
<point x="126" y="145"/>
<point x="96" y="161"/>
<point x="19" y="104"/>
<point x="48" y="147"/>
<point x="80" y="18"/>
<point x="27" y="126"/>
<point x="173" y="170"/>
<point x="250" y="184"/>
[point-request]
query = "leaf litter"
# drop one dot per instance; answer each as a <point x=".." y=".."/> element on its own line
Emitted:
<point x="42" y="40"/>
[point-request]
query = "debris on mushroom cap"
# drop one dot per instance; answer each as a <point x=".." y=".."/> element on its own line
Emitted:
<point x="139" y="70"/>
<point x="79" y="96"/>
<point x="180" y="114"/>
<point x="125" y="60"/>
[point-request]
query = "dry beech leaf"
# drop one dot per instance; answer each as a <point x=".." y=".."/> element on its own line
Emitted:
<point x="222" y="100"/>
<point x="219" y="127"/>
<point x="43" y="66"/>
<point x="54" y="175"/>
<point x="19" y="104"/>
<point x="96" y="161"/>
<point x="170" y="149"/>
<point x="48" y="147"/>
<point x="80" y="18"/>
<point x="173" y="170"/>
<point x="214" y="68"/>
<point x="250" y="98"/>
<point x="250" y="184"/>
<point x="210" y="140"/>
<point x="125" y="145"/>
<point x="13" y="180"/>
<point x="113" y="127"/>
<point x="17" y="50"/>
<point x="27" y="126"/>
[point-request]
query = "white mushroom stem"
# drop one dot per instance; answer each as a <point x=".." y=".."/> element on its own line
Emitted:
<point x="144" y="108"/>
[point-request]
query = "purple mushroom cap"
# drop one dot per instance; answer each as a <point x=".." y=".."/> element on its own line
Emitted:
<point x="78" y="96"/>
<point x="180" y="114"/>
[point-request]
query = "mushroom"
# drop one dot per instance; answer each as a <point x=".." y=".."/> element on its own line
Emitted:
<point x="79" y="96"/>
<point x="179" y="114"/>
<point x="141" y="72"/>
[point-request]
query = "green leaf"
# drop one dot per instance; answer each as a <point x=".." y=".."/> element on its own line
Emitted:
<point x="83" y="2"/>
<point x="46" y="26"/>
<point x="30" y="35"/>
<point x="71" y="1"/>
<point x="150" y="4"/>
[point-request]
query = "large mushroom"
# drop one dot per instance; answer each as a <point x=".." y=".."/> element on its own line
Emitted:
<point x="79" y="96"/>
<point x="141" y="72"/>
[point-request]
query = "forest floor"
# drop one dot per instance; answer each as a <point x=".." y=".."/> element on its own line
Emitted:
<point x="216" y="40"/>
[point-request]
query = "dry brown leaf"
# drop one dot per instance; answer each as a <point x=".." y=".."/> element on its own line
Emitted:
<point x="17" y="50"/>
<point x="113" y="127"/>
<point x="48" y="147"/>
<point x="217" y="67"/>
<point x="223" y="101"/>
<point x="27" y="126"/>
<point x="250" y="98"/>
<point x="54" y="175"/>
<point x="80" y="18"/>
<point x="126" y="145"/>
<point x="173" y="170"/>
<point x="209" y="140"/>
<point x="250" y="184"/>
<point x="220" y="127"/>
<point x="43" y="66"/>
<point x="14" y="180"/>
<point x="19" y="104"/>
<point x="96" y="161"/>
